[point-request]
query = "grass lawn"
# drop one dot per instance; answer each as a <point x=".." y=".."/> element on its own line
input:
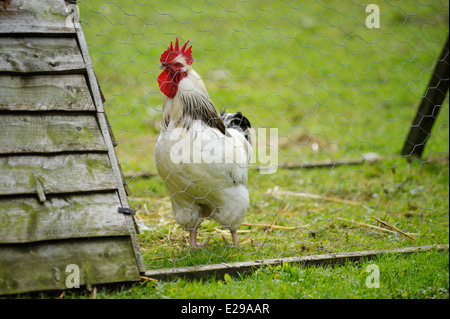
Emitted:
<point x="413" y="276"/>
<point x="400" y="277"/>
<point x="335" y="90"/>
<point x="309" y="225"/>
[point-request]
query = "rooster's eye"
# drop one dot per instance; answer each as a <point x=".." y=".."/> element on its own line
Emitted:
<point x="177" y="65"/>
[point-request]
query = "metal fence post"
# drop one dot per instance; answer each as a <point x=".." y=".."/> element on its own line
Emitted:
<point x="429" y="108"/>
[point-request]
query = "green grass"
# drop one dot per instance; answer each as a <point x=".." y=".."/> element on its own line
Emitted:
<point x="393" y="195"/>
<point x="334" y="89"/>
<point x="400" y="277"/>
<point x="315" y="73"/>
<point x="414" y="276"/>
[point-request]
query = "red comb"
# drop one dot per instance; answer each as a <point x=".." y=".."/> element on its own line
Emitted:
<point x="171" y="53"/>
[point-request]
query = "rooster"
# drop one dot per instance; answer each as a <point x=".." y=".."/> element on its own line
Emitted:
<point x="210" y="179"/>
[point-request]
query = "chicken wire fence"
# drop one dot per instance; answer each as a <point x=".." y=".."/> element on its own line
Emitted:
<point x="331" y="89"/>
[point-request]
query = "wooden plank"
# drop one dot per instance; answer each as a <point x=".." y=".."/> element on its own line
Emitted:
<point x="40" y="133"/>
<point x="26" y="219"/>
<point x="237" y="268"/>
<point x="63" y="173"/>
<point x="429" y="107"/>
<point x="36" y="16"/>
<point x="43" y="265"/>
<point x="91" y="77"/>
<point x="35" y="54"/>
<point x="45" y="93"/>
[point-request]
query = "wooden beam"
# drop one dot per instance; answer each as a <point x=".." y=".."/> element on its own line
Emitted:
<point x="41" y="133"/>
<point x="366" y="158"/>
<point x="236" y="268"/>
<point x="45" y="93"/>
<point x="429" y="107"/>
<point x="91" y="77"/>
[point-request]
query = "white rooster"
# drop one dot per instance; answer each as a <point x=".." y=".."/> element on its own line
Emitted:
<point x="202" y="157"/>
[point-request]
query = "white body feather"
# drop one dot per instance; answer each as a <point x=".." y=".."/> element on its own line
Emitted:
<point x="212" y="181"/>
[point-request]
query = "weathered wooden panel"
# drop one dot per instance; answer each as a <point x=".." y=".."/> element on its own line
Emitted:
<point x="36" y="54"/>
<point x="26" y="219"/>
<point x="41" y="133"/>
<point x="42" y="266"/>
<point x="45" y="93"/>
<point x="35" y="16"/>
<point x="64" y="173"/>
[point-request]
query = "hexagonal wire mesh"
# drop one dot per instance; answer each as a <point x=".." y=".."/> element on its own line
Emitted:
<point x="341" y="94"/>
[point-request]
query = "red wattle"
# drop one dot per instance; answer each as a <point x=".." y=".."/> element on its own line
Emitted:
<point x="168" y="82"/>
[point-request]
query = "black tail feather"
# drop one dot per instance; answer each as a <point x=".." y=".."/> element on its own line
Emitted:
<point x="237" y="121"/>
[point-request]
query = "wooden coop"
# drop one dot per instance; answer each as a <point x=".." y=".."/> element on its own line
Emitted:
<point x="62" y="197"/>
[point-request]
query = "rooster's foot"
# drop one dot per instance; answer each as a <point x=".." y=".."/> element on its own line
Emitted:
<point x="193" y="240"/>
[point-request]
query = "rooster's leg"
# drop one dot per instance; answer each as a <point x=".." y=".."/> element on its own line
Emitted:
<point x="193" y="239"/>
<point x="234" y="236"/>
